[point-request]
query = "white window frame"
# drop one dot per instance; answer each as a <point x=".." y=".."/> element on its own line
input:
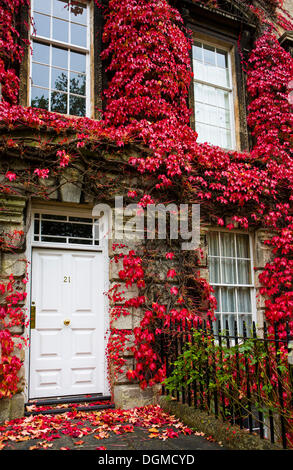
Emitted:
<point x="76" y="212"/>
<point x="230" y="90"/>
<point x="251" y="286"/>
<point x="67" y="46"/>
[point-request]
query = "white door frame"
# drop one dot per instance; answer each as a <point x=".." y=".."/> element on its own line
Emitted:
<point x="63" y="209"/>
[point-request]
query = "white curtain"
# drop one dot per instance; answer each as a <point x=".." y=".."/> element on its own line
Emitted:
<point x="229" y="263"/>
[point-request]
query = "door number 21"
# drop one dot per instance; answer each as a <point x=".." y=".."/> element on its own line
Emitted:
<point x="67" y="279"/>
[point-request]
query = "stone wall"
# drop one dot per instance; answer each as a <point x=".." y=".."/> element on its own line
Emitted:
<point x="12" y="217"/>
<point x="71" y="189"/>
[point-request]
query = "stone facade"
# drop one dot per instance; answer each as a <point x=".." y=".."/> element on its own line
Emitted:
<point x="12" y="218"/>
<point x="68" y="191"/>
<point x="73" y="188"/>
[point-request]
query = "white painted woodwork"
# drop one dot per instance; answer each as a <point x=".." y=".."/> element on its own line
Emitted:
<point x="67" y="360"/>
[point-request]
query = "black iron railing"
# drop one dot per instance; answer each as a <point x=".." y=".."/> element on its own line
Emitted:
<point x="244" y="378"/>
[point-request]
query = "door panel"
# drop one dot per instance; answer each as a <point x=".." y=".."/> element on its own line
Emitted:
<point x="67" y="359"/>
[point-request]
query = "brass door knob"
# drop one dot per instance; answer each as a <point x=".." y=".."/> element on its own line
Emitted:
<point x="66" y="322"/>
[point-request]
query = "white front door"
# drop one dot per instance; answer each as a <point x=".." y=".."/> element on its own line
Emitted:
<point x="67" y="348"/>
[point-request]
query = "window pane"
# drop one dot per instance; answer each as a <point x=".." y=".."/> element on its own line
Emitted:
<point x="67" y="229"/>
<point x="78" y="35"/>
<point x="77" y="106"/>
<point x="80" y="241"/>
<point x="222" y="59"/>
<point x="209" y="55"/>
<point x="60" y="30"/>
<point x="217" y="295"/>
<point x="229" y="323"/>
<point x="244" y="300"/>
<point x="247" y="321"/>
<point x="207" y="134"/>
<point x="222" y="99"/>
<point x="36" y="226"/>
<point x="228" y="299"/>
<point x="244" y="274"/>
<point x="214" y="267"/>
<point x="60" y="57"/>
<point x="228" y="271"/>
<point x="242" y="243"/>
<point x="214" y="135"/>
<point x="53" y="239"/>
<point x="42" y="6"/>
<point x="41" y="53"/>
<point x="81" y="219"/>
<point x="59" y="102"/>
<point x="77" y="62"/>
<point x="223" y="118"/>
<point x="40" y="75"/>
<point x="53" y="217"/>
<point x="219" y="76"/>
<point x="199" y="70"/>
<point x="77" y="83"/>
<point x="39" y="98"/>
<point x="197" y="51"/>
<point x="214" y="244"/>
<point x="226" y="139"/>
<point x="205" y="113"/>
<point x="78" y="13"/>
<point x="59" y="79"/>
<point x="60" y="9"/>
<point x="211" y="74"/>
<point x="227" y="244"/>
<point x="42" y="25"/>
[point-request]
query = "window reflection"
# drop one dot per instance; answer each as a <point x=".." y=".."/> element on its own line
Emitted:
<point x="59" y="57"/>
<point x="42" y="25"/>
<point x="40" y="98"/>
<point x="64" y="229"/>
<point x="212" y="95"/>
<point x="41" y="75"/>
<point x="78" y="13"/>
<point x="58" y="80"/>
<point x="77" y="106"/>
<point x="59" y="102"/>
<point x="41" y="53"/>
<point x="77" y="62"/>
<point x="77" y="83"/>
<point x="61" y="9"/>
<point x="42" y="6"/>
<point x="60" y="30"/>
<point x="78" y="35"/>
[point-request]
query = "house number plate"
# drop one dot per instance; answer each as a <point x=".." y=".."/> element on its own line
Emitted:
<point x="67" y="279"/>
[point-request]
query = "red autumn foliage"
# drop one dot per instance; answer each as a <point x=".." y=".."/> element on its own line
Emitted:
<point x="148" y="52"/>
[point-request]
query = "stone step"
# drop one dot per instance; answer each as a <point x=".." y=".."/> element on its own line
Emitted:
<point x="68" y="404"/>
<point x="55" y="411"/>
<point x="68" y="399"/>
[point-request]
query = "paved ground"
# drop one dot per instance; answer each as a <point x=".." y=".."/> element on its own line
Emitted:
<point x="146" y="428"/>
<point x="138" y="440"/>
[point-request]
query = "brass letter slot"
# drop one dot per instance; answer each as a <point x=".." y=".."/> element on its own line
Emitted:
<point x="33" y="316"/>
